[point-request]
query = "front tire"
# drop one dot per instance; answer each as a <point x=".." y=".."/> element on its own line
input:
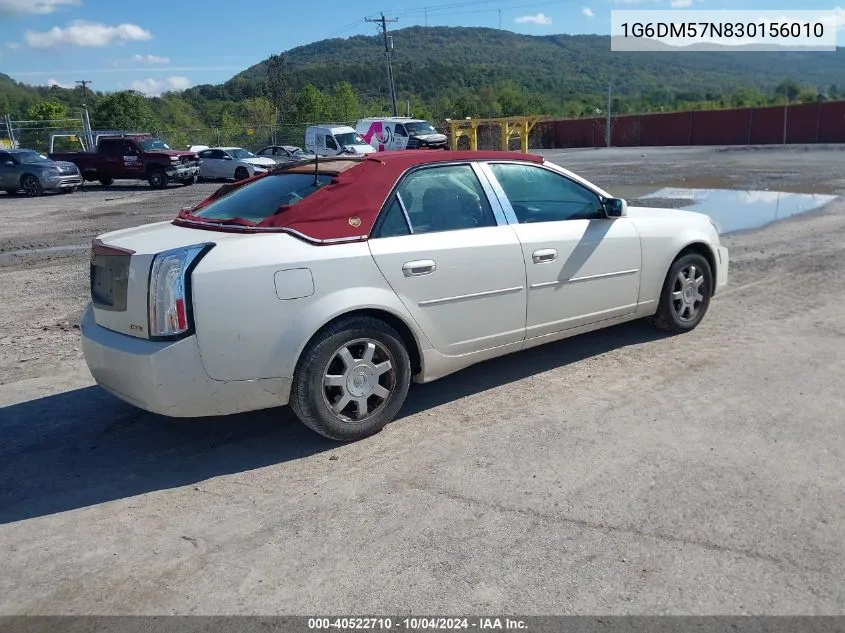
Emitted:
<point x="106" y="182"/>
<point x="352" y="379"/>
<point x="32" y="186"/>
<point x="157" y="178"/>
<point x="686" y="293"/>
<point x="189" y="181"/>
<point x="241" y="173"/>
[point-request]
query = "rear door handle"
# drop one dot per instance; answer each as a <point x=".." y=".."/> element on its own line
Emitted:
<point x="544" y="256"/>
<point x="419" y="267"/>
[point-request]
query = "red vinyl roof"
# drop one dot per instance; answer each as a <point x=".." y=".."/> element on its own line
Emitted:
<point x="347" y="207"/>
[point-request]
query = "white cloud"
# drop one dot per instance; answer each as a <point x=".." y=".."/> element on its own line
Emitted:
<point x="88" y="34"/>
<point x="153" y="87"/>
<point x="151" y="59"/>
<point x="53" y="82"/>
<point x="38" y="7"/>
<point x="837" y="20"/>
<point x="588" y="12"/>
<point x="540" y="18"/>
<point x="13" y="45"/>
<point x="681" y="4"/>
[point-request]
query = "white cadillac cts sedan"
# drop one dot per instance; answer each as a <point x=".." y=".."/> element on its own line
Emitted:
<point x="331" y="284"/>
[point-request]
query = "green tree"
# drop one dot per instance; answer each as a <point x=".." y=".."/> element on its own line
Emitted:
<point x="127" y="110"/>
<point x="46" y="111"/>
<point x="344" y="104"/>
<point x="280" y="86"/>
<point x="311" y="105"/>
<point x="788" y="89"/>
<point x="833" y="91"/>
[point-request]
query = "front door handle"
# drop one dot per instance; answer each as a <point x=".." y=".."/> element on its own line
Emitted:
<point x="419" y="267"/>
<point x="544" y="256"/>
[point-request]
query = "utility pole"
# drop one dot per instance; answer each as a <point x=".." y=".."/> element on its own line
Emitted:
<point x="388" y="45"/>
<point x="607" y="133"/>
<point x="84" y="83"/>
<point x="88" y="134"/>
<point x="500" y="19"/>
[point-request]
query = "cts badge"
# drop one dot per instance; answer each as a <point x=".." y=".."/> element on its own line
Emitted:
<point x="355" y="221"/>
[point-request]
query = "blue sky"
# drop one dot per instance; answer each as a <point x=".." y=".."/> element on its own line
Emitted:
<point x="158" y="45"/>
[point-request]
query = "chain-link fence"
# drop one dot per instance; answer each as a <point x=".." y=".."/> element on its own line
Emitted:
<point x="36" y="135"/>
<point x="250" y="137"/>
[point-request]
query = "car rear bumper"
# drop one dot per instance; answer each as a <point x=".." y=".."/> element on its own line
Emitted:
<point x="722" y="265"/>
<point x="168" y="377"/>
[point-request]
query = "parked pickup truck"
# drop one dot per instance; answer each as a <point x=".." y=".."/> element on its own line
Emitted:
<point x="134" y="158"/>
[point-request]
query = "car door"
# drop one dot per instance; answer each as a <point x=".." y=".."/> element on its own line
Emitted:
<point x="455" y="265"/>
<point x="129" y="162"/>
<point x="331" y="145"/>
<point x="400" y="137"/>
<point x="582" y="267"/>
<point x="215" y="164"/>
<point x="9" y="176"/>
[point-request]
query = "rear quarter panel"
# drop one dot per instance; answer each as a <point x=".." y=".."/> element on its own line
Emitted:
<point x="245" y="331"/>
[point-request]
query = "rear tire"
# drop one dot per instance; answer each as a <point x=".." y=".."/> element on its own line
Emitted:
<point x="352" y="379"/>
<point x="685" y="296"/>
<point x="32" y="186"/>
<point x="241" y="173"/>
<point x="106" y="182"/>
<point x="157" y="178"/>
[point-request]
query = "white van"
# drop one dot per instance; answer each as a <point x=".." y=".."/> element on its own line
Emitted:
<point x="393" y="133"/>
<point x="331" y="140"/>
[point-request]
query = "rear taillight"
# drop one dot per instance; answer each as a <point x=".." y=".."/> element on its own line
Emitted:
<point x="169" y="293"/>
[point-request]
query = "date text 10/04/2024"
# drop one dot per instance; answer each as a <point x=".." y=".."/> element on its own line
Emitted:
<point x="417" y="624"/>
<point x="723" y="29"/>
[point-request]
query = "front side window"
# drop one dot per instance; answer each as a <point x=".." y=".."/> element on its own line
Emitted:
<point x="153" y="145"/>
<point x="447" y="198"/>
<point x="400" y="130"/>
<point x="330" y="144"/>
<point x="540" y="195"/>
<point x="261" y="199"/>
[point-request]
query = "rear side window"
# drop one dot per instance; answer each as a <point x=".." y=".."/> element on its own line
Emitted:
<point x="261" y="199"/>
<point x="447" y="198"/>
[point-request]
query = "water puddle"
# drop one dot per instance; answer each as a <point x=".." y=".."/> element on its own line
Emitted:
<point x="737" y="210"/>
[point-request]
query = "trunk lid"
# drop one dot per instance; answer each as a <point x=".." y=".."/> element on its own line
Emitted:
<point x="120" y="271"/>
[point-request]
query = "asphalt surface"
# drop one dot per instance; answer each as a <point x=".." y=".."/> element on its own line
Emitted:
<point x="621" y="472"/>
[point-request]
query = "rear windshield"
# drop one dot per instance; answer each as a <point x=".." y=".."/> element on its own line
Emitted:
<point x="261" y="199"/>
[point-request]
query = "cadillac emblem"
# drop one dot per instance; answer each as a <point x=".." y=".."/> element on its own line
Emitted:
<point x="355" y="221"/>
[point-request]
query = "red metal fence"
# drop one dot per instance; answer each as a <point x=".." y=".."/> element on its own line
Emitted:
<point x="822" y="122"/>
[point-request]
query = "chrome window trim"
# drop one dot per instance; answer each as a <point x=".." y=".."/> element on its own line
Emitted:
<point x="405" y="213"/>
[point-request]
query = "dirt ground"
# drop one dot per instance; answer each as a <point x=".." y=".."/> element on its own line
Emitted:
<point x="622" y="472"/>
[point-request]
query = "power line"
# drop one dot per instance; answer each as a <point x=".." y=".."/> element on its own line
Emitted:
<point x="388" y="45"/>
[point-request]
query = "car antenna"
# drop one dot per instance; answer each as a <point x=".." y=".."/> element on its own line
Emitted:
<point x="316" y="168"/>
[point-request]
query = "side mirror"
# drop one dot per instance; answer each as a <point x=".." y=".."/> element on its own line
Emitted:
<point x="227" y="157"/>
<point x="9" y="163"/>
<point x="615" y="207"/>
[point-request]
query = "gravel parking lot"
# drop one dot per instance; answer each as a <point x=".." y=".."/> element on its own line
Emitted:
<point x="622" y="472"/>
